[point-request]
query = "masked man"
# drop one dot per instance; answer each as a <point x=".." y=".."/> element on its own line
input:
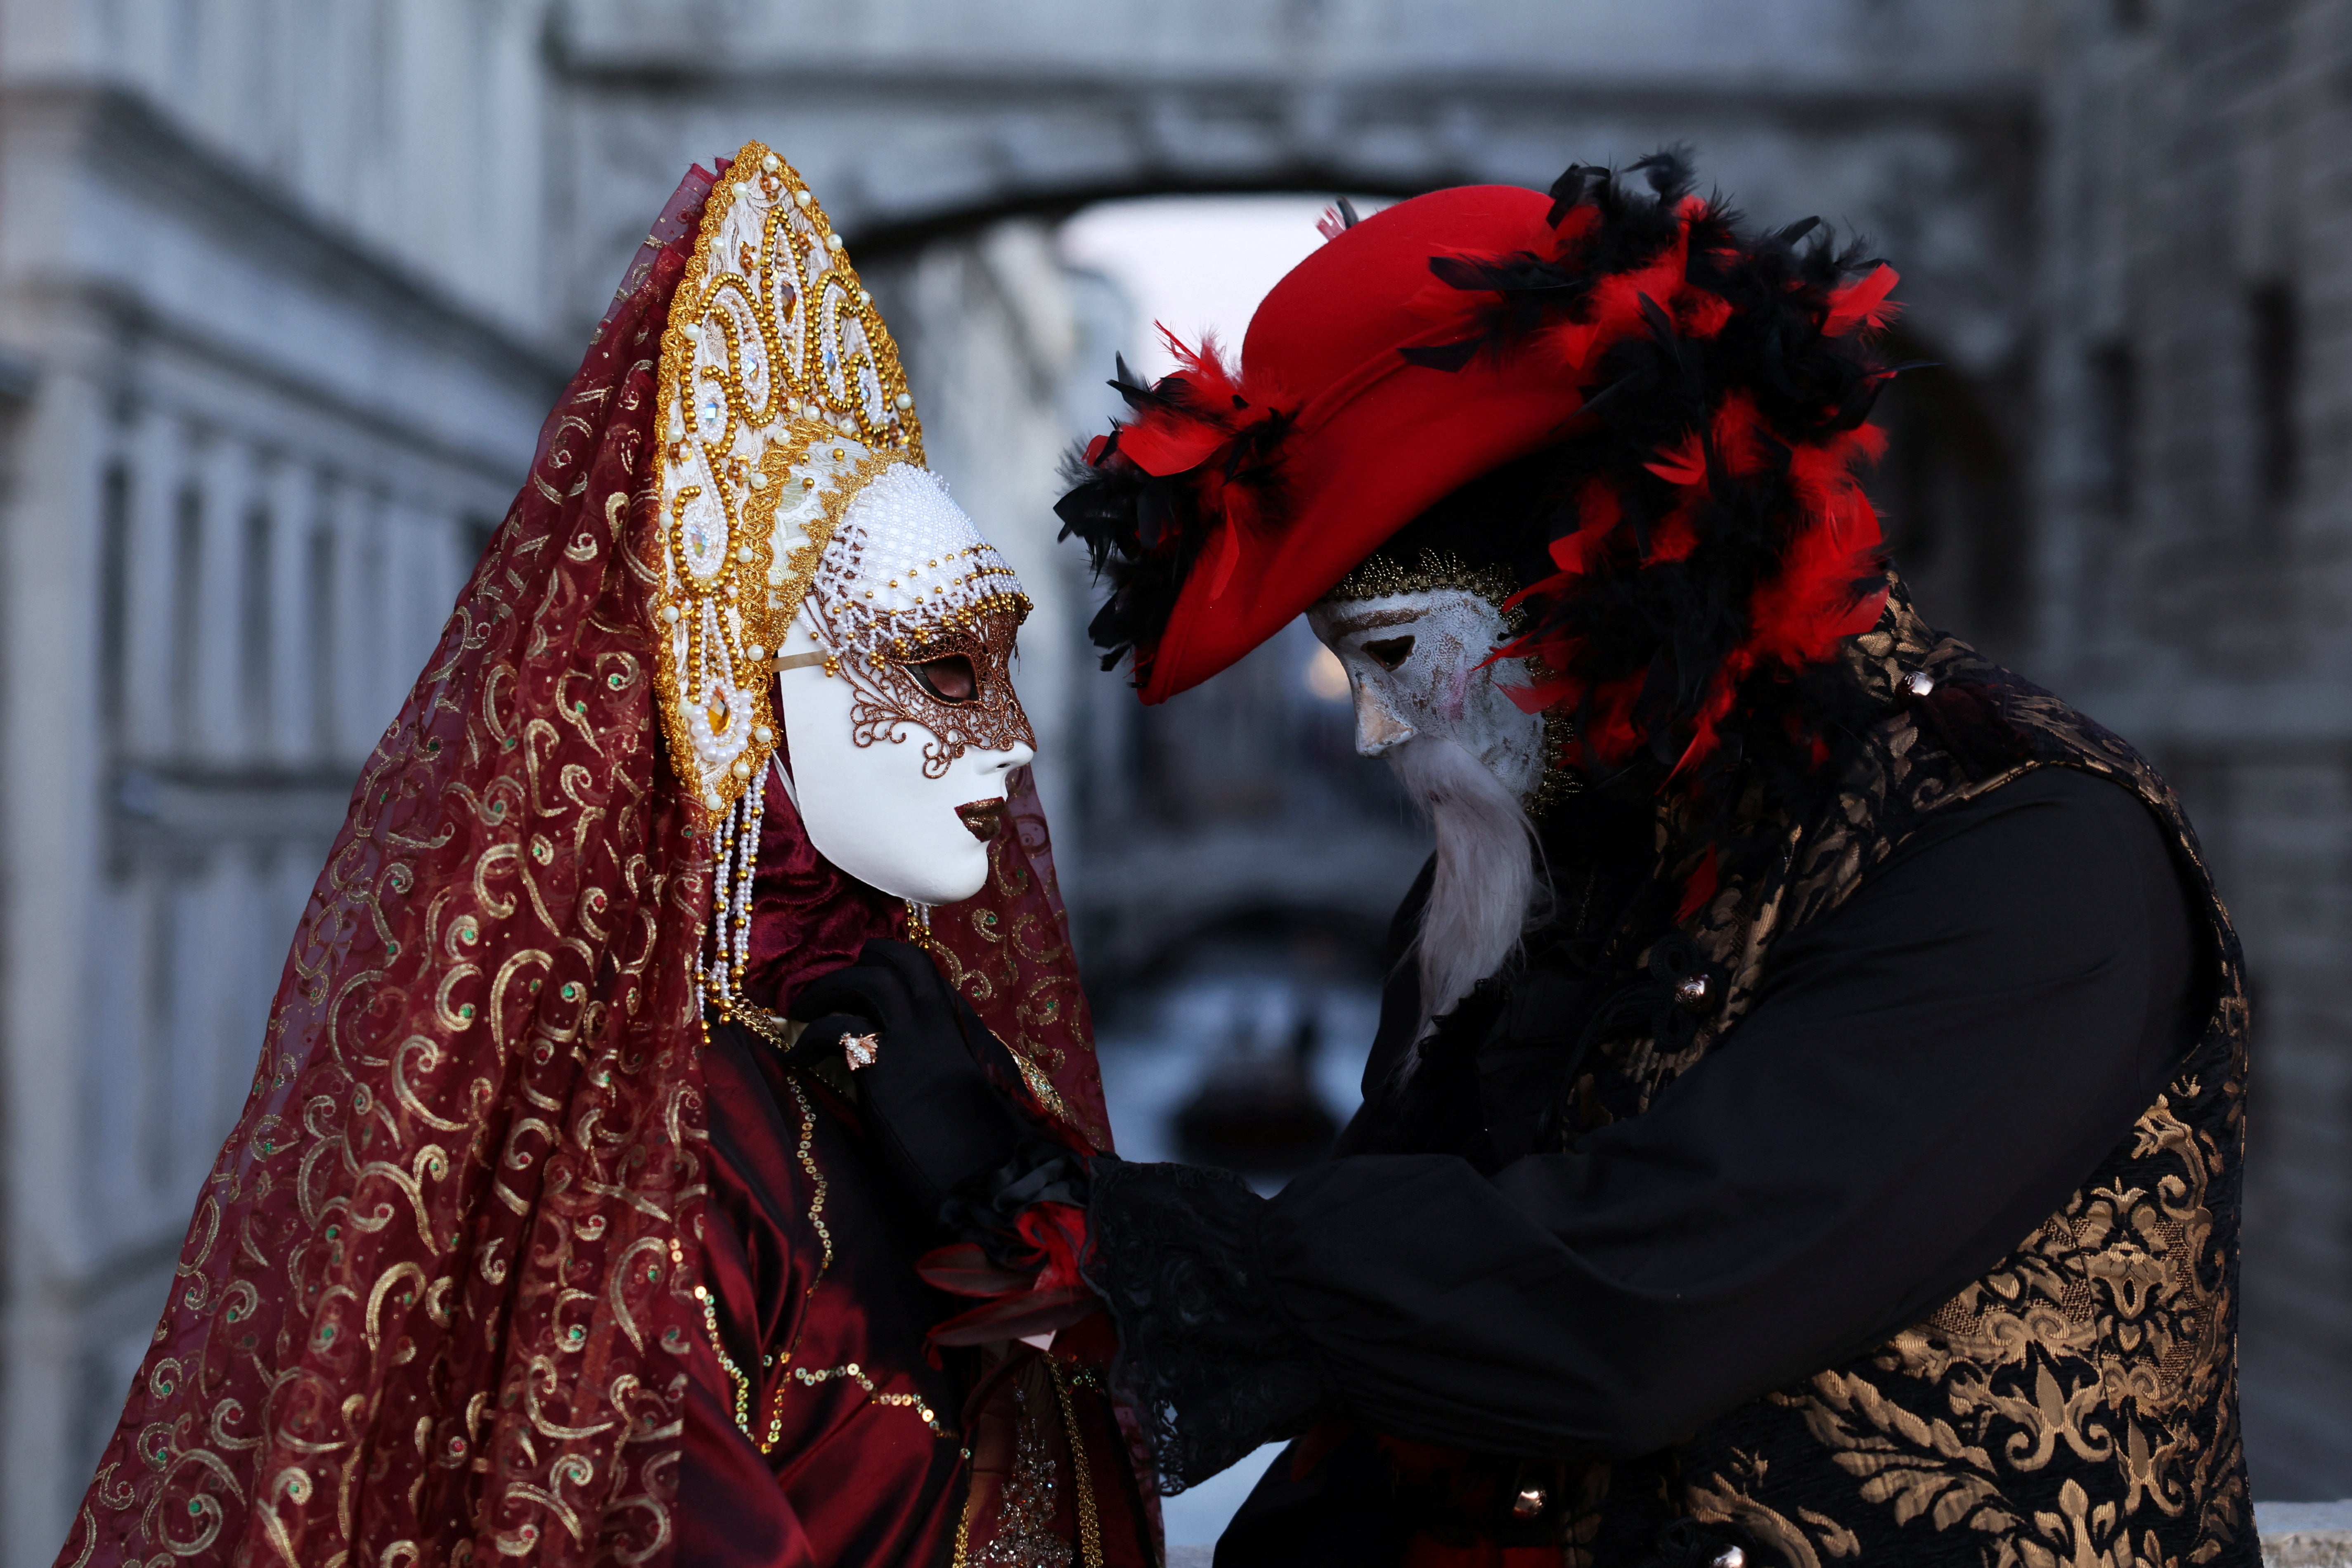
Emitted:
<point x="540" y="1239"/>
<point x="1804" y="1125"/>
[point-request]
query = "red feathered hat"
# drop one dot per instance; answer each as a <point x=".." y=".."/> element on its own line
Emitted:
<point x="1701" y="392"/>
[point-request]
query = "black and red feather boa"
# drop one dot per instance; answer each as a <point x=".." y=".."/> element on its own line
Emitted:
<point x="1142" y="499"/>
<point x="1709" y="542"/>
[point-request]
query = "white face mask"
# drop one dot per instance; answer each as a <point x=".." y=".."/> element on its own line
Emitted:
<point x="1414" y="664"/>
<point x="899" y="716"/>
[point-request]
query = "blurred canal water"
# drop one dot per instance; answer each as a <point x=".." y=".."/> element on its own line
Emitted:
<point x="1234" y="1013"/>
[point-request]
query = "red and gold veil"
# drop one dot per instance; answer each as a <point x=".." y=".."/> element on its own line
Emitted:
<point x="436" y="1305"/>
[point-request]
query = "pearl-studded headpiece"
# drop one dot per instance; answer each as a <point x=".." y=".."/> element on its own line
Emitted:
<point x="781" y="400"/>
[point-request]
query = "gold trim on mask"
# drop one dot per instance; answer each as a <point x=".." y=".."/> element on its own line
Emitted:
<point x="1382" y="576"/>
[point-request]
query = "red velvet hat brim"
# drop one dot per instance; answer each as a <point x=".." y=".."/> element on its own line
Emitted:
<point x="1361" y="469"/>
<point x="1381" y="438"/>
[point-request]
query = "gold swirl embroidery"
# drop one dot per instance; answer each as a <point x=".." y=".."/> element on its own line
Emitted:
<point x="353" y="1107"/>
<point x="2101" y="1342"/>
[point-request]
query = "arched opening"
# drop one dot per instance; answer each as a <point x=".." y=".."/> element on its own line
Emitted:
<point x="1951" y="496"/>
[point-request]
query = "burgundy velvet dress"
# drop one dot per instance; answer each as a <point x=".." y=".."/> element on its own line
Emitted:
<point x="820" y="1434"/>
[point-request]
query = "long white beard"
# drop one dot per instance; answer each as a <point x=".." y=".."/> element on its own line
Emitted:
<point x="1486" y="888"/>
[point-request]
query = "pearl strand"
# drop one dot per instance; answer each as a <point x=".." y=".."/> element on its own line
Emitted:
<point x="714" y="973"/>
<point x="735" y="865"/>
<point x="747" y="857"/>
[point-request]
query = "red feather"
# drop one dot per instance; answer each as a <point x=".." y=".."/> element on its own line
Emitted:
<point x="1863" y="303"/>
<point x="1175" y="437"/>
<point x="1684" y="463"/>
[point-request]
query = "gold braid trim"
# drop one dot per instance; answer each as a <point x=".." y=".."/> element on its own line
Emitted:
<point x="1382" y="576"/>
<point x="1090" y="1551"/>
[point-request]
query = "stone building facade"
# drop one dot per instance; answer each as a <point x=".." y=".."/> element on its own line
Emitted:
<point x="287" y="285"/>
<point x="274" y="366"/>
<point x="2193" y="501"/>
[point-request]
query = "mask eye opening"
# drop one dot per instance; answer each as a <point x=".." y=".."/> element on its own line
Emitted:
<point x="1389" y="652"/>
<point x="949" y="678"/>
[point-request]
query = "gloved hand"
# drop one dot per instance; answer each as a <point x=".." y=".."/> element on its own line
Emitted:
<point x="938" y="1120"/>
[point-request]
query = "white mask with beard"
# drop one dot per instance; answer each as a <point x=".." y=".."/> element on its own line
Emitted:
<point x="1470" y="757"/>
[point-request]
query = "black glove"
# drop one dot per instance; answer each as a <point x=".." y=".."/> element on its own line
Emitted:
<point x="938" y="1119"/>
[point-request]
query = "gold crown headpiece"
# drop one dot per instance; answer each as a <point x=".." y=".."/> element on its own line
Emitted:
<point x="781" y="396"/>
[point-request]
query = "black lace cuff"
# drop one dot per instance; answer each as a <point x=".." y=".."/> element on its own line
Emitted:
<point x="1208" y="1358"/>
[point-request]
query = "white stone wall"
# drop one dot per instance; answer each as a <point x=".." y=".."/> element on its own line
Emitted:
<point x="416" y="127"/>
<point x="248" y="458"/>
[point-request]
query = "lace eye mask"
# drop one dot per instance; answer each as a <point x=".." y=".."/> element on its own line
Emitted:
<point x="906" y="587"/>
<point x="897" y="686"/>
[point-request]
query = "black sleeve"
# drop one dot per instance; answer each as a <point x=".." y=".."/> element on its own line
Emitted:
<point x="1931" y="1071"/>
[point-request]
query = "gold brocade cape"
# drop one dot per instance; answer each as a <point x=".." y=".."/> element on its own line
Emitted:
<point x="439" y="1300"/>
<point x="433" y="1306"/>
<point x="2077" y="1405"/>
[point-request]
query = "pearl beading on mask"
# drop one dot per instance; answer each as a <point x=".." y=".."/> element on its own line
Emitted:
<point x="906" y="556"/>
<point x="906" y="579"/>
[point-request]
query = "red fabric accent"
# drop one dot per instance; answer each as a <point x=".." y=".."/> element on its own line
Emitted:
<point x="1018" y="1317"/>
<point x="1059" y="1232"/>
<point x="966" y="1270"/>
<point x="858" y="1478"/>
<point x="427" y="1310"/>
<point x="1033" y="1292"/>
<point x="1007" y="949"/>
<point x="808" y="917"/>
<point x="732" y="1514"/>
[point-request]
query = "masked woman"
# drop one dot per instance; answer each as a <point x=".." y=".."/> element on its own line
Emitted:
<point x="530" y="1243"/>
